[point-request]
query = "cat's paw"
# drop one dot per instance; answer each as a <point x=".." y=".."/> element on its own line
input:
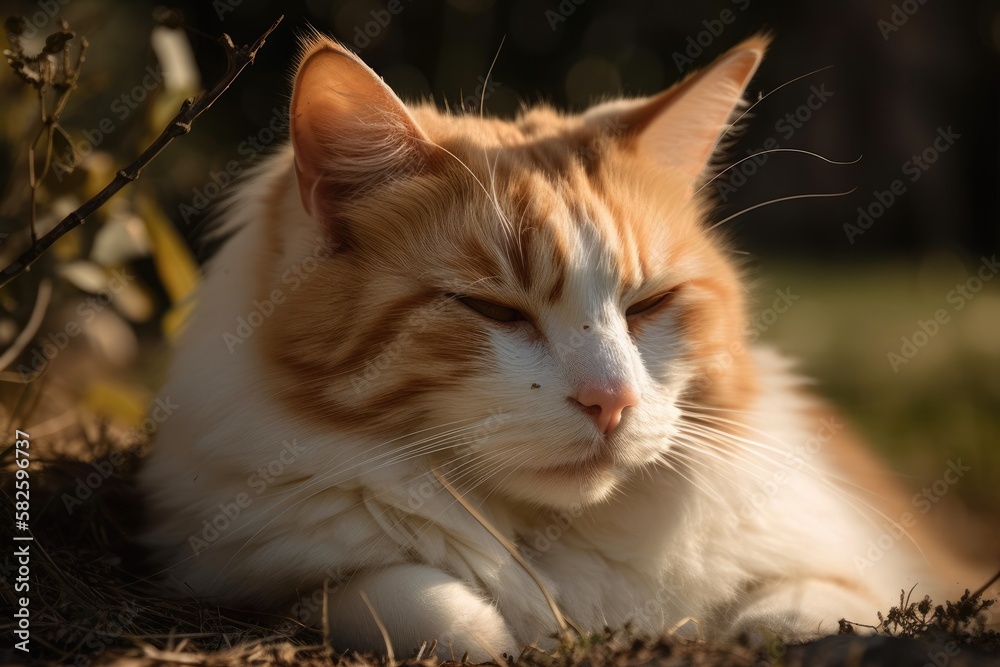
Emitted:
<point x="418" y="604"/>
<point x="798" y="612"/>
<point x="757" y="629"/>
<point x="476" y="628"/>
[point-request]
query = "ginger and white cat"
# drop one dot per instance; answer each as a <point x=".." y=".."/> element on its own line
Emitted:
<point x="537" y="310"/>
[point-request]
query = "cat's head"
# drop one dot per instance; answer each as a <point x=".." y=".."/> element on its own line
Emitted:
<point x="533" y="303"/>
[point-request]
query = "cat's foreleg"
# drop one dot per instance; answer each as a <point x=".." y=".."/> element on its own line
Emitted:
<point x="417" y="603"/>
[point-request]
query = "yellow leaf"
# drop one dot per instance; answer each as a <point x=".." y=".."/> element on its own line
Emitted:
<point x="175" y="320"/>
<point x="178" y="73"/>
<point x="174" y="262"/>
<point x="117" y="400"/>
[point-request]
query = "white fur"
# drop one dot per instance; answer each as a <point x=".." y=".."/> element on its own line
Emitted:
<point x="650" y="546"/>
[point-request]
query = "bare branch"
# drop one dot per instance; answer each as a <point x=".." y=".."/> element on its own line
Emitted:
<point x="237" y="58"/>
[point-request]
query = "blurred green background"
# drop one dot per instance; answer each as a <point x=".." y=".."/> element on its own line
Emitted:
<point x="895" y="80"/>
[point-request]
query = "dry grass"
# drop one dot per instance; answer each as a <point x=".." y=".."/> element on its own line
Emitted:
<point x="93" y="603"/>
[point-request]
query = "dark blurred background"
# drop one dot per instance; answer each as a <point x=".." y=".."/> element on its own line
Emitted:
<point x="895" y="77"/>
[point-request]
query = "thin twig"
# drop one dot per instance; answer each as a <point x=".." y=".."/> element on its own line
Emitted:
<point x="50" y="123"/>
<point x="982" y="589"/>
<point x="326" y="612"/>
<point x="497" y="658"/>
<point x="381" y="628"/>
<point x="31" y="328"/>
<point x="237" y="58"/>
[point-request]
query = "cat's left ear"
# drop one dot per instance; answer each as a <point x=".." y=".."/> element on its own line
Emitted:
<point x="681" y="127"/>
<point x="349" y="130"/>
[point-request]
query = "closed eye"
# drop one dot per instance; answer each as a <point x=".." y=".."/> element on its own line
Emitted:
<point x="494" y="311"/>
<point x="648" y="304"/>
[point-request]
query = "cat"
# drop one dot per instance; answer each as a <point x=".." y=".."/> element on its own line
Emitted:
<point x="421" y="315"/>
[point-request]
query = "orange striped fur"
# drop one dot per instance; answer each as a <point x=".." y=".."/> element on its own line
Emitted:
<point x="538" y="310"/>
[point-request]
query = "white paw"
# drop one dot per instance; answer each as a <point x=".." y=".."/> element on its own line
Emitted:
<point x="760" y="628"/>
<point x="798" y="612"/>
<point x="418" y="604"/>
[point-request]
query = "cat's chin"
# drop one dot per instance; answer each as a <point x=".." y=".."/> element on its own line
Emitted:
<point x="568" y="484"/>
<point x="577" y="471"/>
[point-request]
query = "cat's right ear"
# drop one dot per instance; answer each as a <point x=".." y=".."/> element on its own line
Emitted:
<point x="349" y="130"/>
<point x="681" y="128"/>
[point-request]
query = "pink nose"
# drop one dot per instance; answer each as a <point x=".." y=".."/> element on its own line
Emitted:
<point x="605" y="405"/>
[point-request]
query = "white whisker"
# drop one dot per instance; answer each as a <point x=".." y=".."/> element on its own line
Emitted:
<point x="775" y="150"/>
<point x="817" y="195"/>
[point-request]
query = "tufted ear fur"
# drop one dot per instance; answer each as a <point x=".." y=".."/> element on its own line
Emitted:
<point x="681" y="127"/>
<point x="349" y="130"/>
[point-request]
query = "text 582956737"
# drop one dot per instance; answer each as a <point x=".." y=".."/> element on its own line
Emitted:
<point x="22" y="539"/>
